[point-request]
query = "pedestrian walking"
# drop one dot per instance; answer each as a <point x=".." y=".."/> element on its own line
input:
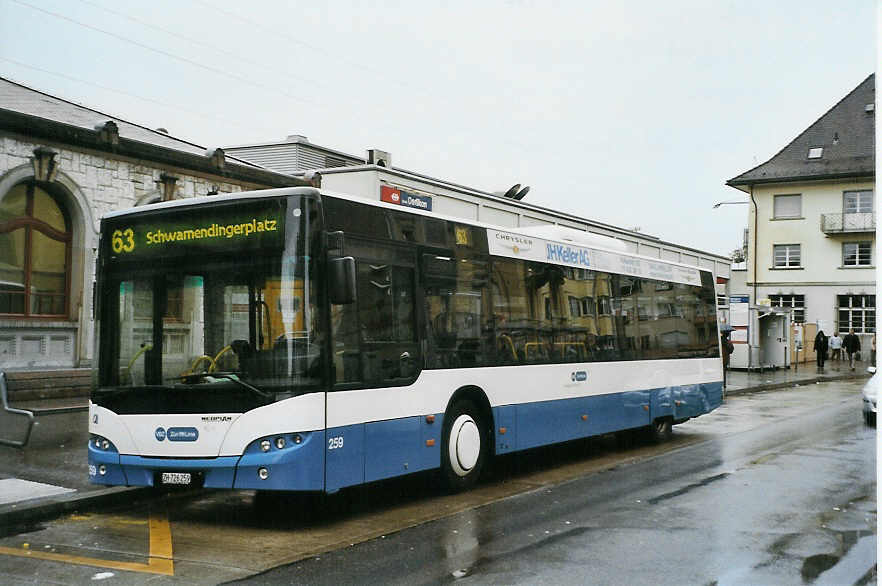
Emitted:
<point x="820" y="349"/>
<point x="852" y="345"/>
<point x="873" y="351"/>
<point x="836" y="349"/>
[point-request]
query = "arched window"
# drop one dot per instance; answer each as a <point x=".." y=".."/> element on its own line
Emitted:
<point x="35" y="253"/>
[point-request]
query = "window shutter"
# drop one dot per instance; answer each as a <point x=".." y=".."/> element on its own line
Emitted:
<point x="788" y="206"/>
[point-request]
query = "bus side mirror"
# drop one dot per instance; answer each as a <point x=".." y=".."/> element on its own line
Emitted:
<point x="341" y="280"/>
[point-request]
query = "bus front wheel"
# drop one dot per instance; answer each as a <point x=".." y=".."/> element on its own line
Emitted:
<point x="464" y="449"/>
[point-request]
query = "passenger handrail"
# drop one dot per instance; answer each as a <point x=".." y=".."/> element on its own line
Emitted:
<point x="510" y="344"/>
<point x="145" y="347"/>
<point x="4" y="399"/>
<point x="217" y="356"/>
<point x="196" y="362"/>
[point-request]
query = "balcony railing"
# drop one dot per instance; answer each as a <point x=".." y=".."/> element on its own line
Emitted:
<point x="841" y="223"/>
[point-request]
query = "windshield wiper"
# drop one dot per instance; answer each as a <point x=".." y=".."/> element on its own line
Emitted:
<point x="230" y="376"/>
<point x="235" y="379"/>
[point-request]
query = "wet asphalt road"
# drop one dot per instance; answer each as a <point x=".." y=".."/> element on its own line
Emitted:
<point x="781" y="491"/>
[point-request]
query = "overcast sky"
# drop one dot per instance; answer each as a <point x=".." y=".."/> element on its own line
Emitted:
<point x="630" y="113"/>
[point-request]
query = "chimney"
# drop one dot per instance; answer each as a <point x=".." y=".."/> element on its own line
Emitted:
<point x="379" y="158"/>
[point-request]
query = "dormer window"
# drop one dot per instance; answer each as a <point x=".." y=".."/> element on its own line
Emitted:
<point x="816" y="152"/>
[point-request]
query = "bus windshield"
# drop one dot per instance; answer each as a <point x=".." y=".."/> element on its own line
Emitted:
<point x="238" y="325"/>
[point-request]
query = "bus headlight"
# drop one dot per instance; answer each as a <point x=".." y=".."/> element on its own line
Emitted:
<point x="280" y="442"/>
<point x="262" y="473"/>
<point x="101" y="443"/>
<point x="265" y="445"/>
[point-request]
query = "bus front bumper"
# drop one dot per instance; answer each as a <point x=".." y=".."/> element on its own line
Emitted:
<point x="296" y="468"/>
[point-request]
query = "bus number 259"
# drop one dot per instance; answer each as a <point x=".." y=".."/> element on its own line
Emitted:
<point x="335" y="442"/>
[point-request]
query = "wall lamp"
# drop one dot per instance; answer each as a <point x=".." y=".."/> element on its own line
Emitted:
<point x="166" y="185"/>
<point x="45" y="165"/>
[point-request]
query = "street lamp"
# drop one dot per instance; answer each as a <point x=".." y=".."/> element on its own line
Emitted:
<point x="733" y="202"/>
<point x="738" y="202"/>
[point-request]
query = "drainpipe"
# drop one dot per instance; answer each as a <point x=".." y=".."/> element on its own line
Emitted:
<point x="755" y="240"/>
<point x="755" y="255"/>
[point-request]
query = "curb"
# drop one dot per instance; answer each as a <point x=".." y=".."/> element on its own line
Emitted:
<point x="53" y="506"/>
<point x="795" y="383"/>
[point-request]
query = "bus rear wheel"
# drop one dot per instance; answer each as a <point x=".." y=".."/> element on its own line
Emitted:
<point x="661" y="430"/>
<point x="464" y="447"/>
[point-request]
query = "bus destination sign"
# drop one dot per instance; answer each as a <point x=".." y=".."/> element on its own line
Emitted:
<point x="133" y="237"/>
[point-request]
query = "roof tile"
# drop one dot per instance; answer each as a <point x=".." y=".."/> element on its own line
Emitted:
<point x="846" y="133"/>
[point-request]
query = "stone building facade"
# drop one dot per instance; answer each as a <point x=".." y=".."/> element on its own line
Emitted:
<point x="62" y="166"/>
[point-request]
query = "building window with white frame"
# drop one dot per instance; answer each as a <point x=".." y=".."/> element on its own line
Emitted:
<point x="797" y="302"/>
<point x="857" y="202"/>
<point x="787" y="207"/>
<point x="786" y="256"/>
<point x="857" y="254"/>
<point x="857" y="312"/>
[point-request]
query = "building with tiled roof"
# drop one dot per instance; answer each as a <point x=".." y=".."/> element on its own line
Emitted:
<point x="812" y="222"/>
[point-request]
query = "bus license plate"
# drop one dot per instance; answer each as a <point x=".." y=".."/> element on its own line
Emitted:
<point x="176" y="478"/>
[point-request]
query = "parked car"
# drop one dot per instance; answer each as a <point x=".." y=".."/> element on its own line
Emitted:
<point x="870" y="392"/>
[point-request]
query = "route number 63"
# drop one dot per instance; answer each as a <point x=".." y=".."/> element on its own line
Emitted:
<point x="122" y="240"/>
<point x="335" y="443"/>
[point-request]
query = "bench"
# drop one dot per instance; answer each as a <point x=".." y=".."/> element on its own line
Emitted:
<point x="35" y="385"/>
<point x="36" y="393"/>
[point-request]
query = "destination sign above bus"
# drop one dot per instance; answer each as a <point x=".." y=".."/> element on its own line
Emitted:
<point x="537" y="249"/>
<point x="195" y="231"/>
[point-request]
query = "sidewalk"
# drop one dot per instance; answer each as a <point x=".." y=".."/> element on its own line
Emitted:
<point x="742" y="381"/>
<point x="49" y="476"/>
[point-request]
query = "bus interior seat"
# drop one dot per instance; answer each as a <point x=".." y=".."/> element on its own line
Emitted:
<point x="468" y="351"/>
<point x="245" y="353"/>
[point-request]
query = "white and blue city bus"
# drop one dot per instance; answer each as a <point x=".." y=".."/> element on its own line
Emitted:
<point x="297" y="340"/>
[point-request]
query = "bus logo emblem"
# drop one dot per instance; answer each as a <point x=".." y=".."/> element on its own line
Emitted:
<point x="183" y="434"/>
<point x="579" y="376"/>
<point x="159" y="433"/>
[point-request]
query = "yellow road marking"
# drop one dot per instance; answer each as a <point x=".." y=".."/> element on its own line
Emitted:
<point x="160" y="559"/>
<point x="127" y="521"/>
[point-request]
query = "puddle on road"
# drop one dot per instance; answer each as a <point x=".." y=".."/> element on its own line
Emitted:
<point x="815" y="565"/>
<point x="839" y="530"/>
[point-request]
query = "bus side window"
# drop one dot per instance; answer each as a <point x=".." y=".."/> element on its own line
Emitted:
<point x="457" y="311"/>
<point x="346" y="353"/>
<point x="515" y="330"/>
<point x="374" y="338"/>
